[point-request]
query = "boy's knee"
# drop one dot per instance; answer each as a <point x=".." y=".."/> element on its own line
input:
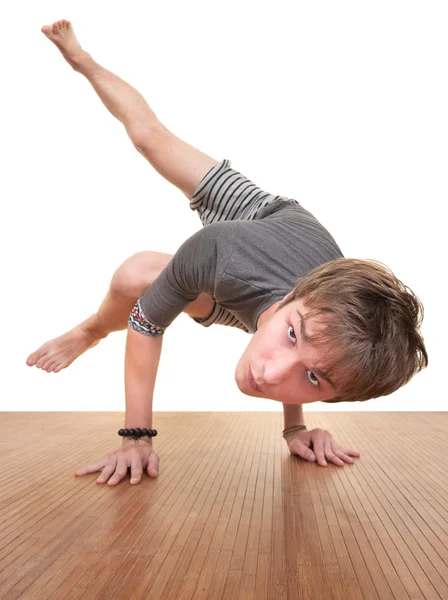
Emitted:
<point x="129" y="279"/>
<point x="138" y="272"/>
<point x="125" y="283"/>
<point x="144" y="135"/>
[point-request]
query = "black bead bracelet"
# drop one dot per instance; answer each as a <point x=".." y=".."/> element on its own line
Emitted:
<point x="136" y="434"/>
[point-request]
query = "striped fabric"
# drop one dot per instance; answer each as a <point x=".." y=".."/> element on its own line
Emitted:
<point x="221" y="316"/>
<point x="224" y="195"/>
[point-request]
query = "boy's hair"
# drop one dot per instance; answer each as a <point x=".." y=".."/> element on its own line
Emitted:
<point x="371" y="341"/>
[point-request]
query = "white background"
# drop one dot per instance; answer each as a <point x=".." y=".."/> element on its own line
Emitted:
<point x="340" y="105"/>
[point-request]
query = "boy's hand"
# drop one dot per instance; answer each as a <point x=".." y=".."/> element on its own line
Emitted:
<point x="134" y="456"/>
<point x="324" y="446"/>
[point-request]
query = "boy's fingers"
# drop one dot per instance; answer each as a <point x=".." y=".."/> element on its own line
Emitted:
<point x="153" y="465"/>
<point x="107" y="471"/>
<point x="120" y="471"/>
<point x="114" y="467"/>
<point x="136" y="468"/>
<point x="82" y="471"/>
<point x="91" y="468"/>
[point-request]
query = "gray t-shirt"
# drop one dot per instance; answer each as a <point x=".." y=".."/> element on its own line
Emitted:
<point x="249" y="254"/>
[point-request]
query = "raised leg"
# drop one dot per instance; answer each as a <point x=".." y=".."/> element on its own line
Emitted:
<point x="129" y="282"/>
<point x="181" y="164"/>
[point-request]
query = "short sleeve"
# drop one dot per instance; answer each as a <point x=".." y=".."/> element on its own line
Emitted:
<point x="195" y="268"/>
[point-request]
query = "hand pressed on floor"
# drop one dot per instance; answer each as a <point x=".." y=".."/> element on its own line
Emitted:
<point x="324" y="446"/>
<point x="137" y="457"/>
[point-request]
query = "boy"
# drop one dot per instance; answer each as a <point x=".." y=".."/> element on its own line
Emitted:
<point x="262" y="263"/>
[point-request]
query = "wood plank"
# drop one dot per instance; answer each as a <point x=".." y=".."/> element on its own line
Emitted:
<point x="232" y="515"/>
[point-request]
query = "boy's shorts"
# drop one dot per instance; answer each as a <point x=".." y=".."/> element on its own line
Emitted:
<point x="225" y="194"/>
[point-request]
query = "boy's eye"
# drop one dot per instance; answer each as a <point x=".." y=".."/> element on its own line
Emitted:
<point x="314" y="382"/>
<point x="291" y="328"/>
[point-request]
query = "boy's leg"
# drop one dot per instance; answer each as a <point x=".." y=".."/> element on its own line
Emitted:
<point x="177" y="161"/>
<point x="181" y="164"/>
<point x="129" y="282"/>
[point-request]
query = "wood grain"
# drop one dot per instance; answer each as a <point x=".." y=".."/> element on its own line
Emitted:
<point x="232" y="514"/>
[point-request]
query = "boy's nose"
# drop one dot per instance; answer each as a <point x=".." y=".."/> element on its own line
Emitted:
<point x="278" y="369"/>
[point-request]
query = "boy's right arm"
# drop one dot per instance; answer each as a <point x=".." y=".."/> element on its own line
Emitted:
<point x="141" y="364"/>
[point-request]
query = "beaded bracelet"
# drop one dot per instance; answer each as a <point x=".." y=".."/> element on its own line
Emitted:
<point x="293" y="429"/>
<point x="137" y="433"/>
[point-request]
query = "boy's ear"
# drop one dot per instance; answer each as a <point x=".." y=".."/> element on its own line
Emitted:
<point x="288" y="296"/>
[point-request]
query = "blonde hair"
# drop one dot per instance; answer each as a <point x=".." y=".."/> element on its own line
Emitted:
<point x="371" y="341"/>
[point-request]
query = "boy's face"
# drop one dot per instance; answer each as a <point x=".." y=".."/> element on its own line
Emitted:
<point x="283" y="365"/>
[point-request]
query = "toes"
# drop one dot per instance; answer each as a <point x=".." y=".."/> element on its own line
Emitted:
<point x="39" y="356"/>
<point x="46" y="362"/>
<point x="46" y="29"/>
<point x="47" y="365"/>
<point x="56" y="366"/>
<point x="51" y="366"/>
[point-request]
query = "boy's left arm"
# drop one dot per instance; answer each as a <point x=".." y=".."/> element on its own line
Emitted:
<point x="292" y="415"/>
<point x="322" y="442"/>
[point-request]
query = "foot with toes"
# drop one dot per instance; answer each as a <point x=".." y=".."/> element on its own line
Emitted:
<point x="60" y="352"/>
<point x="62" y="35"/>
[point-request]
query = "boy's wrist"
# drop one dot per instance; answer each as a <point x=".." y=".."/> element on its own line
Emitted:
<point x="147" y="441"/>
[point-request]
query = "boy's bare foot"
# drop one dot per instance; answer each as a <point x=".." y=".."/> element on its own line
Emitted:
<point x="61" y="33"/>
<point x="60" y="352"/>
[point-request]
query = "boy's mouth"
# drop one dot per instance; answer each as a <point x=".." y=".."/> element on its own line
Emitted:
<point x="252" y="383"/>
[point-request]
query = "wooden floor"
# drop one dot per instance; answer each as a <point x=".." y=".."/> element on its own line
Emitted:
<point x="232" y="514"/>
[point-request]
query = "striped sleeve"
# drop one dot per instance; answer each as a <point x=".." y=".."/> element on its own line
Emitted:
<point x="225" y="195"/>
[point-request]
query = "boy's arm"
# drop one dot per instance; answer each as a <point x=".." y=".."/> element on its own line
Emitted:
<point x="141" y="363"/>
<point x="292" y="415"/>
<point x="192" y="270"/>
